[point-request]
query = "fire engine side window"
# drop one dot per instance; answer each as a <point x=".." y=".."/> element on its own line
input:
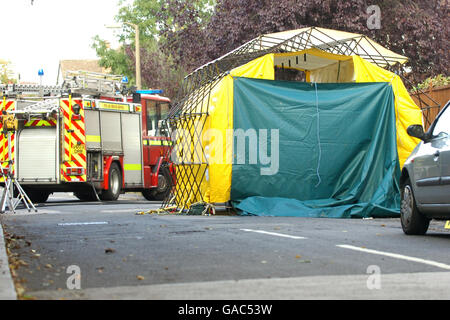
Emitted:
<point x="163" y="111"/>
<point x="156" y="111"/>
<point x="151" y="117"/>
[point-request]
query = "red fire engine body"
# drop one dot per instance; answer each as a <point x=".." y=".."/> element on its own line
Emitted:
<point x="96" y="146"/>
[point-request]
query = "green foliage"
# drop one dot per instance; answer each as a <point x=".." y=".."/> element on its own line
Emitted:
<point x="6" y="74"/>
<point x="148" y="14"/>
<point x="178" y="36"/>
<point x="433" y="82"/>
<point x="116" y="60"/>
<point x="159" y="67"/>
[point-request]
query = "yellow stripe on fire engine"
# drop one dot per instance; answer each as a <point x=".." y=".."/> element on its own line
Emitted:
<point x="90" y="138"/>
<point x="74" y="141"/>
<point x="114" y="106"/>
<point x="132" y="167"/>
<point x="157" y="142"/>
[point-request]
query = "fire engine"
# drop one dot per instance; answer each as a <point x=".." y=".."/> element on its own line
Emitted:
<point x="91" y="136"/>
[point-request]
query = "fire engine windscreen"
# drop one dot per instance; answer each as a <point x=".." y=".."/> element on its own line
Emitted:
<point x="156" y="111"/>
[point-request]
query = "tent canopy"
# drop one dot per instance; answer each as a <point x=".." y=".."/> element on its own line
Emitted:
<point x="327" y="40"/>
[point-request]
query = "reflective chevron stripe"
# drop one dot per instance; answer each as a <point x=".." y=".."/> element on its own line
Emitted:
<point x="40" y="123"/>
<point x="6" y="105"/>
<point x="74" y="141"/>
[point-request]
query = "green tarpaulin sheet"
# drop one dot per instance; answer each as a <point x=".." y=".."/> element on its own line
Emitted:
<point x="314" y="150"/>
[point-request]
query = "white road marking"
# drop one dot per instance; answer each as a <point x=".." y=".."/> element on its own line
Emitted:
<point x="273" y="234"/>
<point x="81" y="223"/>
<point x="397" y="256"/>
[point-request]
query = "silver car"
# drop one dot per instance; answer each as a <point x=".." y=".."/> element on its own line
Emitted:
<point x="425" y="179"/>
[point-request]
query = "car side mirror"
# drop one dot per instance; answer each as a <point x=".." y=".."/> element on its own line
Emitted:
<point x="416" y="131"/>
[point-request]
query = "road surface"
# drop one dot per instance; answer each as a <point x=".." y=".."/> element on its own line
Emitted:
<point x="90" y="250"/>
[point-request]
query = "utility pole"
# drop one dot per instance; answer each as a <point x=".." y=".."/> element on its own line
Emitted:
<point x="137" y="50"/>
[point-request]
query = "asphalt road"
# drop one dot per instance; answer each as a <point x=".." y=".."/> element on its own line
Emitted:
<point x="122" y="255"/>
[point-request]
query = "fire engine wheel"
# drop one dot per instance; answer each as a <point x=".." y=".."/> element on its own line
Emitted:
<point x="85" y="196"/>
<point x="115" y="184"/>
<point x="37" y="196"/>
<point x="164" y="186"/>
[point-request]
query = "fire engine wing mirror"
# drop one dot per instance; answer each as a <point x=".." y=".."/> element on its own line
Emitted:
<point x="162" y="127"/>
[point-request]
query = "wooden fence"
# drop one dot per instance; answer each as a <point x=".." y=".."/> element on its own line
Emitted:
<point x="430" y="110"/>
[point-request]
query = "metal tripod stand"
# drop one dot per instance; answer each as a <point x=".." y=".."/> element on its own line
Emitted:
<point x="10" y="183"/>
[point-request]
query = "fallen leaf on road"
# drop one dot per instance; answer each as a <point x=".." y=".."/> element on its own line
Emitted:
<point x="109" y="250"/>
<point x="305" y="261"/>
<point x="140" y="277"/>
<point x="22" y="263"/>
<point x="48" y="266"/>
<point x="298" y="256"/>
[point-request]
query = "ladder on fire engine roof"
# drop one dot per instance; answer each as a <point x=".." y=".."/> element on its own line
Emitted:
<point x="45" y="108"/>
<point x="79" y="82"/>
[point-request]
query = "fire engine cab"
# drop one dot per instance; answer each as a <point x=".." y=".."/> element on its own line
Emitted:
<point x="91" y="136"/>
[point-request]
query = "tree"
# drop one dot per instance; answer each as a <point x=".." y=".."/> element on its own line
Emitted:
<point x="416" y="29"/>
<point x="160" y="66"/>
<point x="180" y="36"/>
<point x="6" y="74"/>
<point x="114" y="59"/>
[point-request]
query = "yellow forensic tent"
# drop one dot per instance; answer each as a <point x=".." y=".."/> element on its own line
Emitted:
<point x="203" y="119"/>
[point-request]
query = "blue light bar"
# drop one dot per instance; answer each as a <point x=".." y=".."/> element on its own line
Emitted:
<point x="156" y="91"/>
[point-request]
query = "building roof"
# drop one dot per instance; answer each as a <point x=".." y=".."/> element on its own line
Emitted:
<point x="79" y="65"/>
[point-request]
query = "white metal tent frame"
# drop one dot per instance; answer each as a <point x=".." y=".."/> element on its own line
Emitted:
<point x="190" y="112"/>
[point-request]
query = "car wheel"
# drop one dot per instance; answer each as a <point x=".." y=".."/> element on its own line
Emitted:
<point x="115" y="184"/>
<point x="412" y="220"/>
